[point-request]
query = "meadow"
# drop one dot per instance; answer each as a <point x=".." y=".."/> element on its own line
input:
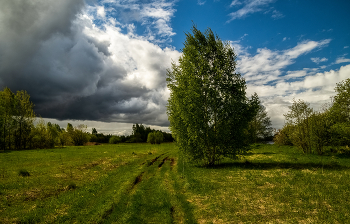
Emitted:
<point x="144" y="183"/>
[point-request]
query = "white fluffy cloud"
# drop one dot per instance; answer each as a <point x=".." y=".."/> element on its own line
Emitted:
<point x="265" y="73"/>
<point x="153" y="14"/>
<point x="251" y="6"/>
<point x="316" y="89"/>
<point x="267" y="65"/>
<point x="319" y="60"/>
<point x="342" y="60"/>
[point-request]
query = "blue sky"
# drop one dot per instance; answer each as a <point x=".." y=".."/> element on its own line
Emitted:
<point x="103" y="63"/>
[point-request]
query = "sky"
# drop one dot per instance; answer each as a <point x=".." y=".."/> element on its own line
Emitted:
<point x="103" y="62"/>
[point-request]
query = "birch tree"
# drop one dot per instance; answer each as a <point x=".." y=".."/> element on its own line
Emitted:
<point x="208" y="109"/>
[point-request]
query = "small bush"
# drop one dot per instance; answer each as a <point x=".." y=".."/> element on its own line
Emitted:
<point x="115" y="140"/>
<point x="283" y="136"/>
<point x="151" y="138"/>
<point x="155" y="137"/>
<point x="93" y="138"/>
<point x="23" y="173"/>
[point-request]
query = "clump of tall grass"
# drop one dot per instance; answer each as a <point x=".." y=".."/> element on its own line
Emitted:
<point x="23" y="173"/>
<point x="71" y="186"/>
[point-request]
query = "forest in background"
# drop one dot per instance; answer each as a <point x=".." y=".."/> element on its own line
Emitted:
<point x="21" y="128"/>
<point x="312" y="130"/>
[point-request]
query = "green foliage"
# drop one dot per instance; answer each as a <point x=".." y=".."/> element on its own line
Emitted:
<point x="259" y="128"/>
<point x="16" y="119"/>
<point x="46" y="135"/>
<point x="283" y="136"/>
<point x="151" y="138"/>
<point x="298" y="116"/>
<point x="305" y="128"/>
<point x="115" y="140"/>
<point x="341" y="102"/>
<point x="140" y="132"/>
<point x="159" y="137"/>
<point x="41" y="136"/>
<point x="208" y="109"/>
<point x="155" y="137"/>
<point x="93" y="138"/>
<point x="340" y="133"/>
<point x="319" y="131"/>
<point x="79" y="135"/>
<point x="311" y="131"/>
<point x="340" y="114"/>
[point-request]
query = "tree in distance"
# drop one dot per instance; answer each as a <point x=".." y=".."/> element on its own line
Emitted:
<point x="299" y="117"/>
<point x="259" y="127"/>
<point x="155" y="137"/>
<point x="312" y="130"/>
<point x="340" y="114"/>
<point x="77" y="134"/>
<point x="208" y="109"/>
<point x="16" y="119"/>
<point x="115" y="140"/>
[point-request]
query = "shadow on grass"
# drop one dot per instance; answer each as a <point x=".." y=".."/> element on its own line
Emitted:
<point x="277" y="165"/>
<point x="261" y="153"/>
<point x="343" y="156"/>
<point x="5" y="151"/>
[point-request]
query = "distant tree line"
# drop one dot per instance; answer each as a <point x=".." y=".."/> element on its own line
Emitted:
<point x="312" y="130"/>
<point x="140" y="134"/>
<point x="21" y="129"/>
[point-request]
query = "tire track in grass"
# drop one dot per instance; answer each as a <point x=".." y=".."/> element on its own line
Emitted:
<point x="149" y="201"/>
<point x="114" y="191"/>
<point x="155" y="196"/>
<point x="155" y="159"/>
<point x="181" y="210"/>
<point x="161" y="164"/>
<point x="122" y="207"/>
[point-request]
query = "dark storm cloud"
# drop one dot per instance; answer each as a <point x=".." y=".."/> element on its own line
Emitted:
<point x="53" y="51"/>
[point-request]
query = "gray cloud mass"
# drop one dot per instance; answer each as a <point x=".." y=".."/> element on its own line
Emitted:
<point x="75" y="70"/>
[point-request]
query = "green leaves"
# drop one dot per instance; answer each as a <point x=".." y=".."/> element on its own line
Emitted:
<point x="311" y="131"/>
<point x="16" y="119"/>
<point x="155" y="137"/>
<point x="207" y="109"/>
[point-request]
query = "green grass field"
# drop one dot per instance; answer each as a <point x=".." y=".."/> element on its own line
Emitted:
<point x="143" y="183"/>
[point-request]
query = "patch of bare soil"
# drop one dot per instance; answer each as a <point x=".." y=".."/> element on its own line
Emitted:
<point x="153" y="161"/>
<point x="92" y="143"/>
<point x="161" y="164"/>
<point x="137" y="180"/>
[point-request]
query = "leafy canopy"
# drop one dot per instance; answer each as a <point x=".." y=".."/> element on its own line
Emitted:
<point x="208" y="109"/>
<point x="259" y="127"/>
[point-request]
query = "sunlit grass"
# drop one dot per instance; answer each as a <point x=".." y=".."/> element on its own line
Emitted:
<point x="143" y="183"/>
<point x="277" y="185"/>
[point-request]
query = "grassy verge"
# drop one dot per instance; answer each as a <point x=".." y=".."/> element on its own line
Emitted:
<point x="272" y="184"/>
<point x="142" y="183"/>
